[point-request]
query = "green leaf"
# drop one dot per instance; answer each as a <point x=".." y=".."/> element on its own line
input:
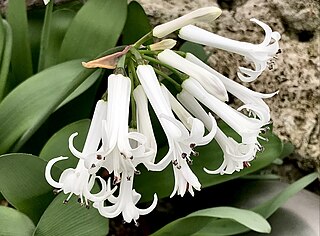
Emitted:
<point x="137" y="24"/>
<point x="60" y="22"/>
<point x="266" y="209"/>
<point x="23" y="185"/>
<point x="287" y="149"/>
<point x="6" y="57"/>
<point x="71" y="219"/>
<point x="21" y="61"/>
<point x="210" y="157"/>
<point x="14" y="223"/>
<point x="45" y="35"/>
<point x="247" y="218"/>
<point x="30" y="104"/>
<point x="206" y="226"/>
<point x="60" y="139"/>
<point x="90" y="81"/>
<point x="2" y="38"/>
<point x="96" y="28"/>
<point x="195" y="49"/>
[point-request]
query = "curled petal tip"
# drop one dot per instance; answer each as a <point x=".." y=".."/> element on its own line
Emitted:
<point x="48" y="176"/>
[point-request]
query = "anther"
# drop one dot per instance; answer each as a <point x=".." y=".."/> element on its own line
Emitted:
<point x="88" y="206"/>
<point x="79" y="200"/>
<point x="128" y="178"/>
<point x="179" y="167"/>
<point x="192" y="145"/>
<point x="279" y="51"/>
<point x="246" y="164"/>
<point x="65" y="201"/>
<point x="93" y="166"/>
<point x="195" y="153"/>
<point x="136" y="224"/>
<point x="184" y="155"/>
<point x="56" y="191"/>
<point x="190" y="162"/>
<point x="99" y="157"/>
<point x="175" y="162"/>
<point x="131" y="158"/>
<point x="137" y="172"/>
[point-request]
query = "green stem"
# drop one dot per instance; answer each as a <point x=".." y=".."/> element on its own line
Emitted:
<point x="121" y="66"/>
<point x="165" y="76"/>
<point x="149" y="52"/>
<point x="145" y="38"/>
<point x="45" y="36"/>
<point x="133" y="77"/>
<point x="137" y="55"/>
<point x="176" y="72"/>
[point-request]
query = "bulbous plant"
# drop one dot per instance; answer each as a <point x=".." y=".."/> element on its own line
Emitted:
<point x="161" y="124"/>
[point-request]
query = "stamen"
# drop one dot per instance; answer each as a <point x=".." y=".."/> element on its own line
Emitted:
<point x="99" y="157"/>
<point x="128" y="178"/>
<point x="136" y="224"/>
<point x="279" y="51"/>
<point x="190" y="162"/>
<point x="175" y="162"/>
<point x="137" y="172"/>
<point x="194" y="153"/>
<point x="184" y="155"/>
<point x="68" y="198"/>
<point x="178" y="167"/>
<point x="246" y="164"/>
<point x="93" y="166"/>
<point x="56" y="191"/>
<point x="116" y="180"/>
<point x="192" y="145"/>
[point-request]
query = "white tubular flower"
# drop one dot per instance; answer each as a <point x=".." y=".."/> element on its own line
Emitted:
<point x="181" y="142"/>
<point x="209" y="81"/>
<point x="46" y="2"/>
<point x="125" y="202"/>
<point x="118" y="155"/>
<point x="235" y="155"/>
<point x="162" y="45"/>
<point x="205" y="14"/>
<point x="144" y="125"/>
<point x="259" y="54"/>
<point x="252" y="100"/>
<point x="79" y="181"/>
<point x="248" y="128"/>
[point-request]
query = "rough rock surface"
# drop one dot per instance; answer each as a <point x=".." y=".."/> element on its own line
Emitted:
<point x="295" y="110"/>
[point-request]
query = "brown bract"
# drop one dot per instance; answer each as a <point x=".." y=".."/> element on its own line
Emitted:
<point x="107" y="62"/>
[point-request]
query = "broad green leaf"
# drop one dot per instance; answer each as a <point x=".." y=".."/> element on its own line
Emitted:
<point x="23" y="185"/>
<point x="71" y="219"/>
<point x="83" y="87"/>
<point x="137" y="24"/>
<point x="60" y="139"/>
<point x="21" y="61"/>
<point x="211" y="158"/>
<point x="96" y="28"/>
<point x="247" y="218"/>
<point x="195" y="49"/>
<point x="205" y="226"/>
<point x="60" y="22"/>
<point x="14" y="223"/>
<point x="6" y="57"/>
<point x="27" y="107"/>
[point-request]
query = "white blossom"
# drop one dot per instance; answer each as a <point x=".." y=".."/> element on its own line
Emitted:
<point x="205" y="14"/>
<point x="259" y="54"/>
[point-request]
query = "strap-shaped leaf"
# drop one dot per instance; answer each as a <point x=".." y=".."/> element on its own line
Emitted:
<point x="23" y="185"/>
<point x="27" y="106"/>
<point x="206" y="226"/>
<point x="21" y="61"/>
<point x="14" y="223"/>
<point x="6" y="56"/>
<point x="137" y="24"/>
<point x="96" y="28"/>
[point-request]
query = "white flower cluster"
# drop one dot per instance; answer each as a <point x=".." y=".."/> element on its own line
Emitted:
<point x="119" y="146"/>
